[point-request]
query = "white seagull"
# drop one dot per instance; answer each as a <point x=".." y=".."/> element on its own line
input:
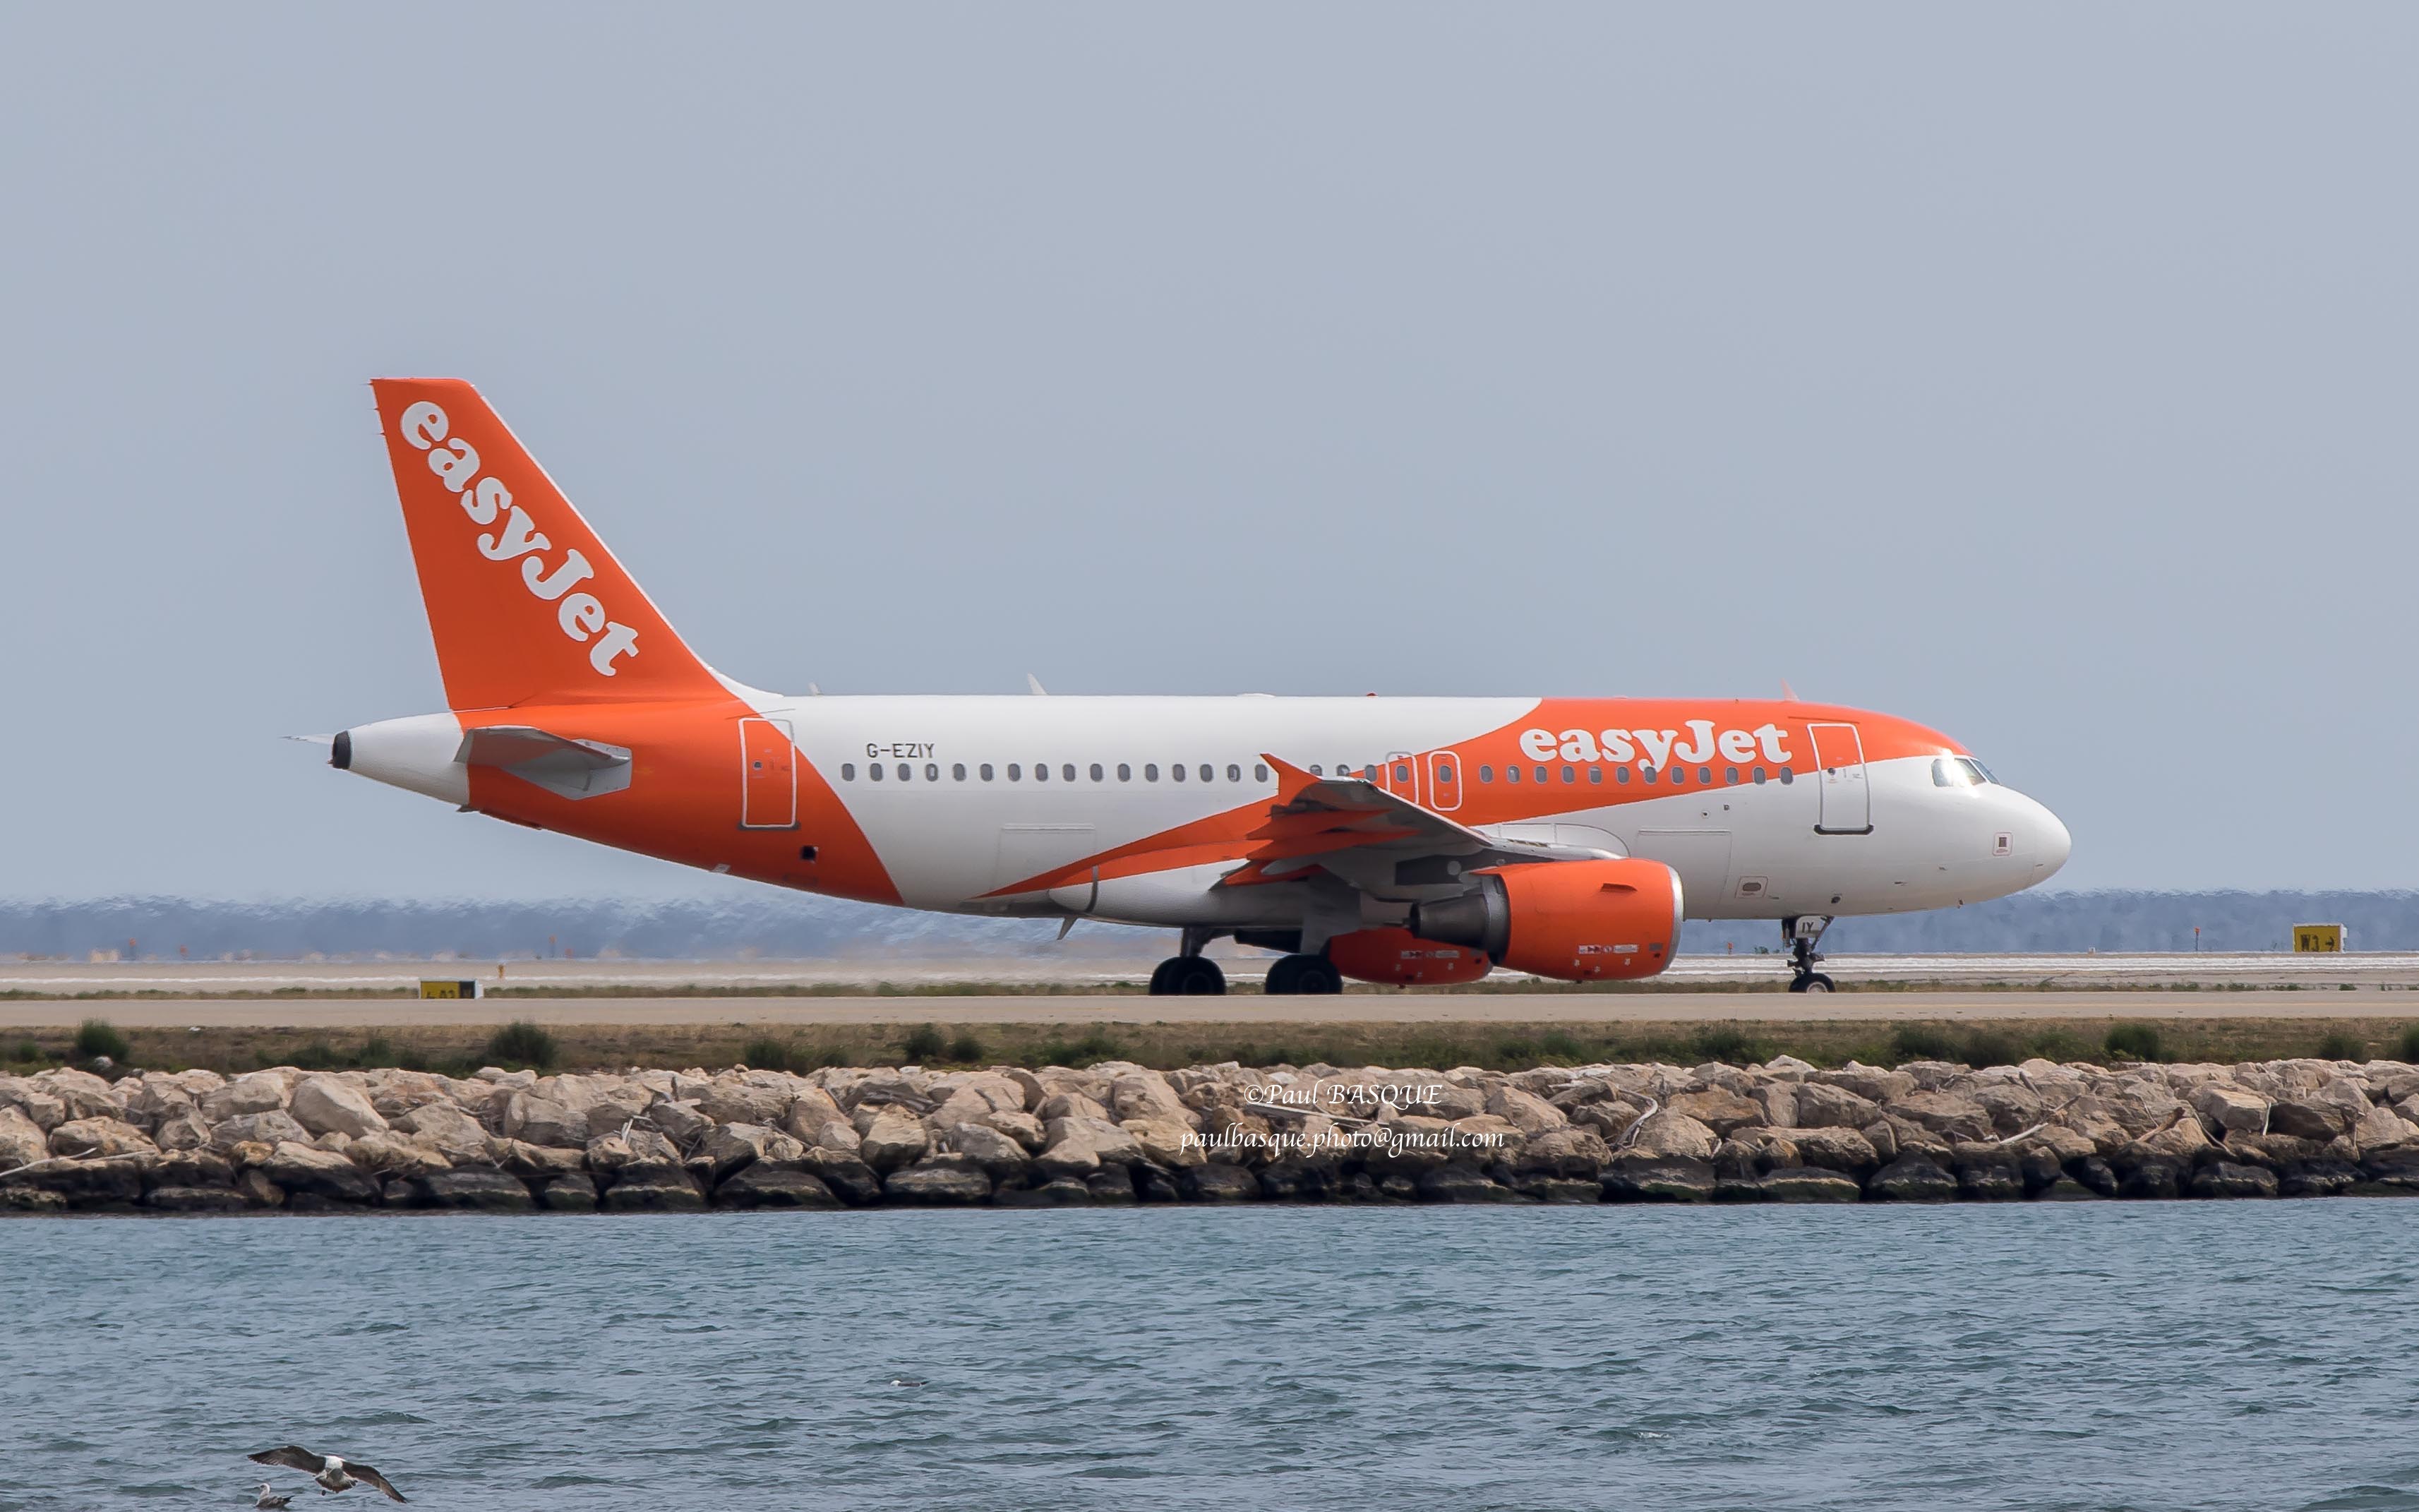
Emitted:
<point x="334" y="1472"/>
<point x="266" y="1502"/>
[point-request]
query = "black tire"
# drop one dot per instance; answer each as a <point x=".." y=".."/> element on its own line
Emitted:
<point x="1318" y="977"/>
<point x="1163" y="976"/>
<point x="1198" y="978"/>
<point x="1796" y="984"/>
<point x="1284" y="976"/>
<point x="1821" y="983"/>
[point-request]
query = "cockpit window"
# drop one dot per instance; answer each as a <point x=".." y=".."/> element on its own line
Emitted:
<point x="1958" y="772"/>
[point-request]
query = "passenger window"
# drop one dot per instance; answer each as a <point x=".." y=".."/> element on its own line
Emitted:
<point x="1015" y="772"/>
<point x="1402" y="773"/>
<point x="1150" y="771"/>
<point x="1621" y="776"/>
<point x="958" y="772"/>
<point x="1041" y="771"/>
<point x="1444" y="773"/>
<point x="1125" y="773"/>
<point x="1570" y="775"/>
<point x="1234" y="772"/>
<point x="1486" y="773"/>
<point x="905" y="771"/>
<point x="1175" y="770"/>
<point x="1316" y="770"/>
<point x="1096" y="772"/>
<point x="1511" y="774"/>
<point x="1787" y="776"/>
<point x="1541" y="774"/>
<point x="1759" y="775"/>
<point x="1730" y="776"/>
<point x="1679" y="776"/>
<point x="1705" y="775"/>
<point x="985" y="770"/>
<point x="1596" y="775"/>
<point x="1646" y="775"/>
<point x="874" y="770"/>
<point x="1259" y="771"/>
<point x="933" y="771"/>
<point x="1068" y="771"/>
<point x="1206" y="773"/>
<point x="848" y="771"/>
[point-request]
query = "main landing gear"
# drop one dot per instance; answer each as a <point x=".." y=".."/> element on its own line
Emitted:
<point x="1803" y="934"/>
<point x="1188" y="973"/>
<point x="1305" y="975"/>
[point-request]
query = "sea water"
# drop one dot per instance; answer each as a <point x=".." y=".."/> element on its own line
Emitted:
<point x="2148" y="1355"/>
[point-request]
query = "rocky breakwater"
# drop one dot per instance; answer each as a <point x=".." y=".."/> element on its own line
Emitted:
<point x="296" y="1141"/>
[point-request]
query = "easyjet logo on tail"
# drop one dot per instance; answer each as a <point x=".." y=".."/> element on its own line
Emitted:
<point x="486" y="500"/>
<point x="1662" y="747"/>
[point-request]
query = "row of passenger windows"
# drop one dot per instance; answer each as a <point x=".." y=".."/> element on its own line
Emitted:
<point x="1678" y="775"/>
<point x="1041" y="772"/>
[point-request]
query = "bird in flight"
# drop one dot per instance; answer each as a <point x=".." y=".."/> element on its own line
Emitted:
<point x="264" y="1501"/>
<point x="334" y="1472"/>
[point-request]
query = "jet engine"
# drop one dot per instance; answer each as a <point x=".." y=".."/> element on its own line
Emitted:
<point x="1573" y="920"/>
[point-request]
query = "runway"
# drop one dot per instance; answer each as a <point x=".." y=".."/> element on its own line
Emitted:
<point x="1241" y="1009"/>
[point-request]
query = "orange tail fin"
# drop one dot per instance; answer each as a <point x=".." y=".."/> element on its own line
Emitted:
<point x="524" y="601"/>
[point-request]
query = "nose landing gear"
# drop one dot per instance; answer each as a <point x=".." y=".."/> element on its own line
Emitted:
<point x="1802" y="934"/>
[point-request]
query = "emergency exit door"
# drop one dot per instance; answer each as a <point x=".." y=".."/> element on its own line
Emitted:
<point x="1845" y="804"/>
<point x="768" y="792"/>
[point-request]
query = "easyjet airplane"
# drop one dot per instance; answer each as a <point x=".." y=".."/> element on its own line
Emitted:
<point x="1388" y="839"/>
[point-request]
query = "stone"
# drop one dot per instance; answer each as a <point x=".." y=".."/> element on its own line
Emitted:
<point x="21" y="1200"/>
<point x="1023" y="1127"/>
<point x="2067" y="1189"/>
<point x="1668" y="1136"/>
<point x="1947" y="1115"/>
<point x="2308" y="1118"/>
<point x="1636" y="1176"/>
<point x="768" y="1186"/>
<point x="2318" y="1179"/>
<point x="1525" y="1111"/>
<point x="260" y="1092"/>
<point x="939" y="1180"/>
<point x="810" y="1111"/>
<point x="729" y="1101"/>
<point x="29" y="1102"/>
<point x="182" y="1131"/>
<point x="2148" y="1175"/>
<point x="1215" y="1182"/>
<point x="1569" y="1153"/>
<point x="1779" y="1100"/>
<point x="520" y="1158"/>
<point x="1070" y="1106"/>
<point x="1836" y="1149"/>
<point x="850" y="1177"/>
<point x="1873" y="1084"/>
<point x="107" y="1182"/>
<point x="258" y="1189"/>
<point x="2012" y="1108"/>
<point x="642" y="1148"/>
<point x="1721" y="1111"/>
<point x="2095" y="1173"/>
<point x="84" y="1138"/>
<point x="538" y="1120"/>
<point x="1458" y="1183"/>
<point x="1146" y="1094"/>
<point x="1165" y="1142"/>
<point x="735" y="1145"/>
<point x="194" y="1199"/>
<point x="474" y="1189"/>
<point x="394" y="1154"/>
<point x="299" y="1168"/>
<point x="1002" y="1158"/>
<point x="893" y="1137"/>
<point x="446" y="1129"/>
<point x="1810" y="1183"/>
<point x="1061" y="1193"/>
<point x="2231" y="1109"/>
<point x="1911" y="1178"/>
<point x="1821" y="1105"/>
<point x="274" y="1127"/>
<point x="1562" y="1190"/>
<point x="2377" y="1130"/>
<point x="654" y="1191"/>
<point x="1989" y="1173"/>
<point x="1113" y="1185"/>
<point x="325" y="1104"/>
<point x="679" y="1120"/>
<point x="20" y="1138"/>
<point x="2225" y="1179"/>
<point x="568" y="1194"/>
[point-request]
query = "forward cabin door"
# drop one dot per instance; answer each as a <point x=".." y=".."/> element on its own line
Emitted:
<point x="768" y="792"/>
<point x="1846" y="803"/>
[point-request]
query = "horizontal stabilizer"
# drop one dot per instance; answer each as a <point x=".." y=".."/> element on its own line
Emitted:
<point x="573" y="768"/>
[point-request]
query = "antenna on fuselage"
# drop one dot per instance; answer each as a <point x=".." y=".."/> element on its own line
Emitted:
<point x="1788" y="692"/>
<point x="1035" y="683"/>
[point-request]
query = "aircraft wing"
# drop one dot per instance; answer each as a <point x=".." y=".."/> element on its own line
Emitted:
<point x="1380" y="843"/>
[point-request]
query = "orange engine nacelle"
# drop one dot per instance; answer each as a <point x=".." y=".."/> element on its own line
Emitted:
<point x="1573" y="920"/>
<point x="1401" y="959"/>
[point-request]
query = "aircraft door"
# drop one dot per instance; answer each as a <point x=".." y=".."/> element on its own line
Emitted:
<point x="1445" y="780"/>
<point x="768" y="793"/>
<point x="1400" y="775"/>
<point x="1845" y="805"/>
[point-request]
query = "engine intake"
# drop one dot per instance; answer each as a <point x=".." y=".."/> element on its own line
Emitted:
<point x="1571" y="920"/>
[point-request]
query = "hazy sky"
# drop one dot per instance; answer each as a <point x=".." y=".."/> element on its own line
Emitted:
<point x="2047" y="375"/>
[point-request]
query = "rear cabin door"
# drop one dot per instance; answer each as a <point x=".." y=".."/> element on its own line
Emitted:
<point x="768" y="792"/>
<point x="1846" y="804"/>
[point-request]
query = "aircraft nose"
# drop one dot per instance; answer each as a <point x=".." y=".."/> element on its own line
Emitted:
<point x="2052" y="844"/>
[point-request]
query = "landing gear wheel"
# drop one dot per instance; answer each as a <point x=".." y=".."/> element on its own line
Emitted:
<point x="1187" y="976"/>
<point x="1802" y="957"/>
<point x="1812" y="981"/>
<point x="1305" y="975"/>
